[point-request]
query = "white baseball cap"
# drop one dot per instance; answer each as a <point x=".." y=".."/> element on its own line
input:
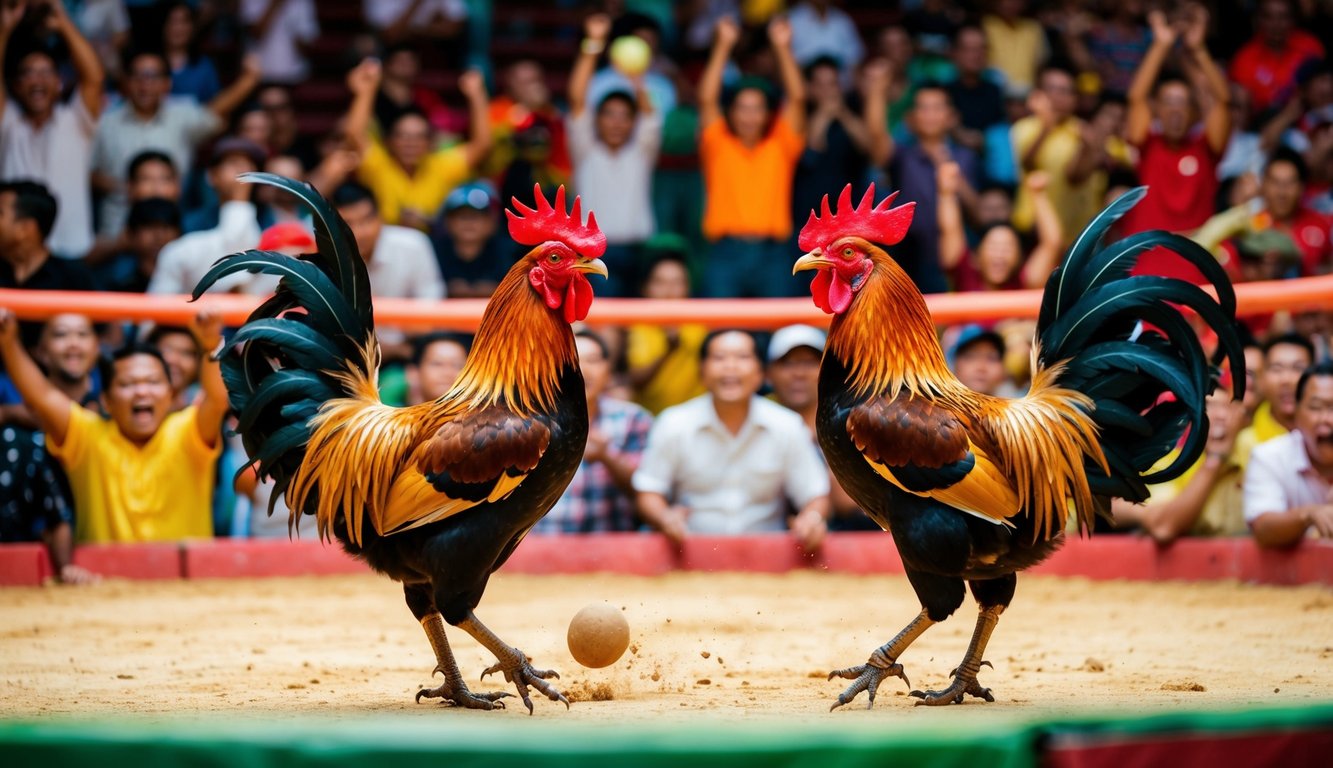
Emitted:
<point x="792" y="336"/>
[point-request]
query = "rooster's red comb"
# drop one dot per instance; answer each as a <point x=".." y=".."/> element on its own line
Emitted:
<point x="534" y="226"/>
<point x="876" y="223"/>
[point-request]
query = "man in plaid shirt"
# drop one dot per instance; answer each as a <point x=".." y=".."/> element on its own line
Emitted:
<point x="601" y="498"/>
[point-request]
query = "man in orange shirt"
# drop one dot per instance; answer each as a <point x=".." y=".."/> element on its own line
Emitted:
<point x="749" y="157"/>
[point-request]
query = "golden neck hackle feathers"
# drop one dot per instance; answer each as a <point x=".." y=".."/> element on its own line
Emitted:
<point x="887" y="341"/>
<point x="520" y="350"/>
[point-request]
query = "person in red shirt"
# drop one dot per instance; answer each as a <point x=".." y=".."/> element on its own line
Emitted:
<point x="1178" y="155"/>
<point x="1282" y="212"/>
<point x="1266" y="65"/>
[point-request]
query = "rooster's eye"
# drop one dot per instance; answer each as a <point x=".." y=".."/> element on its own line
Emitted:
<point x="847" y="253"/>
<point x="553" y="258"/>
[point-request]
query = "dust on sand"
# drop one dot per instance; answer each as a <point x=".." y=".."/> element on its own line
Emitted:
<point x="734" y="646"/>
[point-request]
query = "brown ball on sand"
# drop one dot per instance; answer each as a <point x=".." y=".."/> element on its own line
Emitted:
<point x="598" y="635"/>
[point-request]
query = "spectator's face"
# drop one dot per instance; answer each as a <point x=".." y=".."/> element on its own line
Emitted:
<point x="1314" y="418"/>
<point x="469" y="226"/>
<point x="1174" y="106"/>
<point x="282" y="165"/>
<point x="182" y="356"/>
<point x="731" y="369"/>
<point x="1319" y="91"/>
<point x="795" y="378"/>
<point x="154" y="179"/>
<point x="615" y="123"/>
<point x="1254" y="365"/>
<point x="409" y="140"/>
<point x="1282" y="370"/>
<point x="668" y="280"/>
<point x="178" y="29"/>
<point x="596" y="368"/>
<point x="931" y="115"/>
<point x="148" y="241"/>
<point x="10" y="224"/>
<point x="1281" y="190"/>
<point x="138" y="397"/>
<point x="224" y="172"/>
<point x="749" y="115"/>
<point x="256" y="126"/>
<point x="980" y="366"/>
<point x="278" y="104"/>
<point x="1059" y="87"/>
<point x="1273" y="22"/>
<point x="403" y="66"/>
<point x="825" y="87"/>
<point x="365" y="222"/>
<point x="68" y="347"/>
<point x="998" y="255"/>
<point x="896" y="46"/>
<point x="37" y="86"/>
<point x="527" y="86"/>
<point x="440" y="365"/>
<point x="147" y="83"/>
<point x="994" y="207"/>
<point x="970" y="52"/>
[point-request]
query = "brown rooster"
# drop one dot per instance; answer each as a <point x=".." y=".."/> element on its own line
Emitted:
<point x="437" y="495"/>
<point x="975" y="488"/>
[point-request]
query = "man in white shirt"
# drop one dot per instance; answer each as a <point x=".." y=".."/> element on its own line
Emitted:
<point x="400" y="260"/>
<point x="279" y="31"/>
<point x="148" y="120"/>
<point x="613" y="146"/>
<point x="182" y="263"/>
<point x="1289" y="479"/>
<point x="728" y="462"/>
<point x="819" y="29"/>
<point x="46" y="140"/>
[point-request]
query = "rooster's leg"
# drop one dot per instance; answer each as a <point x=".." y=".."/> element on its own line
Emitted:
<point x="882" y="663"/>
<point x="453" y="691"/>
<point x="512" y="663"/>
<point x="965" y="675"/>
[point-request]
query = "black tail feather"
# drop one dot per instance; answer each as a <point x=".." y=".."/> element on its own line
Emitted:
<point x="282" y="365"/>
<point x="1128" y="346"/>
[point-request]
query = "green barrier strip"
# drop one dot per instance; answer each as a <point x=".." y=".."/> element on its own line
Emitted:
<point x="466" y="741"/>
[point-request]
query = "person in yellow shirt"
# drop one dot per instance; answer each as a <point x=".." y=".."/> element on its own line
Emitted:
<point x="1285" y="358"/>
<point x="664" y="360"/>
<point x="144" y="474"/>
<point x="1050" y="140"/>
<point x="1206" y="500"/>
<point x="409" y="178"/>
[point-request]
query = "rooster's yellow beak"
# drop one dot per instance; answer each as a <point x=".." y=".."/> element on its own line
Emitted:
<point x="595" y="266"/>
<point x="812" y="260"/>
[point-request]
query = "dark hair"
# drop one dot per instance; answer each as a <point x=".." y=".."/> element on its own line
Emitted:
<point x="619" y="95"/>
<point x="134" y="52"/>
<point x="1321" y="368"/>
<point x="412" y="111"/>
<point x="192" y="47"/>
<point x="33" y="201"/>
<point x="156" y="335"/>
<point x="1062" y="66"/>
<point x="632" y="22"/>
<point x="991" y="185"/>
<point x="1285" y="154"/>
<point x="751" y="83"/>
<point x="713" y="334"/>
<point x="351" y="193"/>
<point x="1120" y="176"/>
<point x="106" y="366"/>
<point x="150" y="156"/>
<point x="1293" y="339"/>
<point x="422" y="343"/>
<point x="597" y="339"/>
<point x="931" y="85"/>
<point x="154" y="211"/>
<point x="1112" y="97"/>
<point x="820" y="62"/>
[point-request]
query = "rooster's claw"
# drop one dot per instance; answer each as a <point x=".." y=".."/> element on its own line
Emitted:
<point x="866" y="677"/>
<point x="954" y="693"/>
<point x="462" y="697"/>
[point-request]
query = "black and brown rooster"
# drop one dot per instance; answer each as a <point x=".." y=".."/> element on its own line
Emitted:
<point x="975" y="488"/>
<point x="437" y="495"/>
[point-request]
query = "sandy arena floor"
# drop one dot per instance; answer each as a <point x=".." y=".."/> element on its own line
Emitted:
<point x="733" y="646"/>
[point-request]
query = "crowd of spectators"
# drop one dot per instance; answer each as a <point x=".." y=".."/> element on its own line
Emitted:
<point x="124" y="126"/>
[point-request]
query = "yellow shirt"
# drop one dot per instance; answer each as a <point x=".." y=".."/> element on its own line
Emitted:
<point x="1224" y="510"/>
<point x="1016" y="51"/>
<point x="677" y="380"/>
<point x="162" y="491"/>
<point x="1265" y="425"/>
<point x="1074" y="204"/>
<point x="423" y="191"/>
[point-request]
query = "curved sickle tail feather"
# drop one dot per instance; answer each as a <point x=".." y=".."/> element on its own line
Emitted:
<point x="312" y="342"/>
<point x="1126" y="343"/>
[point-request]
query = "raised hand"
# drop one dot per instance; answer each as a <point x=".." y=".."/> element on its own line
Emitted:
<point x="207" y="329"/>
<point x="1163" y="33"/>
<point x="9" y="326"/>
<point x="726" y="33"/>
<point x="779" y="32"/>
<point x="11" y="14"/>
<point x="597" y="26"/>
<point x="1195" y="26"/>
<point x="473" y="85"/>
<point x="947" y="176"/>
<point x="365" y="77"/>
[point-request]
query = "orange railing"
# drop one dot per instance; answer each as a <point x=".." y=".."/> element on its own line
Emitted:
<point x="464" y="314"/>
